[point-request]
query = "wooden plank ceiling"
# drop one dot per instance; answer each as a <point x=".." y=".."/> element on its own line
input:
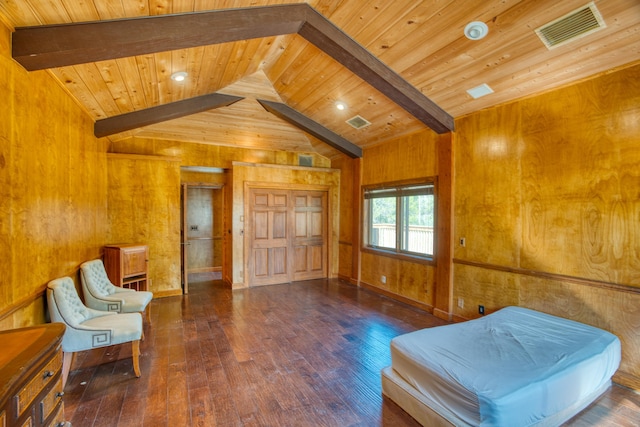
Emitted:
<point x="422" y="41"/>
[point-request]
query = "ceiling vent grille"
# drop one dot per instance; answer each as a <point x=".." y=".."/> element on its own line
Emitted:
<point x="358" y="122"/>
<point x="574" y="25"/>
<point x="304" y="160"/>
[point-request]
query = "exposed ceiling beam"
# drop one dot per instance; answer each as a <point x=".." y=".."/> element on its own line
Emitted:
<point x="335" y="43"/>
<point x="68" y="44"/>
<point x="161" y="113"/>
<point x="48" y="46"/>
<point x="313" y="128"/>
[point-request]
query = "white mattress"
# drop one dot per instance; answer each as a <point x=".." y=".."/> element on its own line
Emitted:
<point x="514" y="367"/>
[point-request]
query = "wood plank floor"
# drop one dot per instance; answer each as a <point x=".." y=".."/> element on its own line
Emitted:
<point x="302" y="354"/>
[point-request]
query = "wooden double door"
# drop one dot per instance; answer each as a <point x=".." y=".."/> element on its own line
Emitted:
<point x="287" y="235"/>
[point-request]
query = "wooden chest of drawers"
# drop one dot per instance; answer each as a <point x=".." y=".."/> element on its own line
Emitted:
<point x="31" y="377"/>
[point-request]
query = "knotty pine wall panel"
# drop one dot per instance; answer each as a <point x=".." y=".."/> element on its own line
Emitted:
<point x="52" y="189"/>
<point x="144" y="208"/>
<point x="547" y="196"/>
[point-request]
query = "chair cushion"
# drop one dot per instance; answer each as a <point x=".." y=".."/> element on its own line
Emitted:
<point x="124" y="327"/>
<point x="135" y="301"/>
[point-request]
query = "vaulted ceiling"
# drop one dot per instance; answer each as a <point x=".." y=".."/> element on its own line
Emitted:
<point x="422" y="42"/>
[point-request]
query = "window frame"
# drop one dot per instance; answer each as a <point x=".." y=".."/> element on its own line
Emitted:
<point x="398" y="189"/>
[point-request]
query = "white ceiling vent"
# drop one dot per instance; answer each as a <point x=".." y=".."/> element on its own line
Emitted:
<point x="358" y="122"/>
<point x="572" y="26"/>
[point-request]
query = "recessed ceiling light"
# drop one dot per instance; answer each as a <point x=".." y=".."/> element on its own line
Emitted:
<point x="480" y="91"/>
<point x="179" y="76"/>
<point x="341" y="105"/>
<point x="476" y="30"/>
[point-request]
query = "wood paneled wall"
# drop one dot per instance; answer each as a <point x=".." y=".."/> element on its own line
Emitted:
<point x="192" y="154"/>
<point x="548" y="200"/>
<point x="143" y="202"/>
<point x="349" y="182"/>
<point x="52" y="189"/>
<point x="409" y="157"/>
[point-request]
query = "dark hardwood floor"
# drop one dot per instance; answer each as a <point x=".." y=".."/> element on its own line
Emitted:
<point x="302" y="354"/>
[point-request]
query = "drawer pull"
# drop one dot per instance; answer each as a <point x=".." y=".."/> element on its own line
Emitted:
<point x="61" y="424"/>
<point x="60" y="394"/>
<point x="48" y="374"/>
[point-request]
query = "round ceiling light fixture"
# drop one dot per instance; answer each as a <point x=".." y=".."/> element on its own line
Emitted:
<point x="179" y="76"/>
<point x="476" y="30"/>
<point x="341" y="105"/>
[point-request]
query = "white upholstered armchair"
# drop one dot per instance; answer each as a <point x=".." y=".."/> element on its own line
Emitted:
<point x="88" y="328"/>
<point x="101" y="294"/>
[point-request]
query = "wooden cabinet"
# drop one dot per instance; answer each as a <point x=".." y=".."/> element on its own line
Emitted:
<point x="127" y="265"/>
<point x="31" y="376"/>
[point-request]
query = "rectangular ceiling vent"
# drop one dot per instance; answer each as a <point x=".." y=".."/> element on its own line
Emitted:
<point x="358" y="122"/>
<point x="304" y="160"/>
<point x="572" y="26"/>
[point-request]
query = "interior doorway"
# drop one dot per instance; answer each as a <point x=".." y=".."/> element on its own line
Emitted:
<point x="201" y="231"/>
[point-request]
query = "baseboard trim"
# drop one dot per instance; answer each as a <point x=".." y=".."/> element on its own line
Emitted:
<point x="169" y="293"/>
<point x="418" y="304"/>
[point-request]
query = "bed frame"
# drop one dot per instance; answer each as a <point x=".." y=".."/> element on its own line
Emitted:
<point x="428" y="413"/>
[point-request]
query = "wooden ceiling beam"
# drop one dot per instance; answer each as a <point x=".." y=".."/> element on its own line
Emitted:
<point x="315" y="129"/>
<point x="335" y="43"/>
<point x="48" y="46"/>
<point x="161" y="113"/>
<point x="68" y="44"/>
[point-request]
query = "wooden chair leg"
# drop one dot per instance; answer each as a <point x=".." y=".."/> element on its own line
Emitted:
<point x="67" y="361"/>
<point x="135" y="353"/>
<point x="148" y="313"/>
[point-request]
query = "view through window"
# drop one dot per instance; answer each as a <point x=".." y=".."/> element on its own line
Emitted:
<point x="400" y="219"/>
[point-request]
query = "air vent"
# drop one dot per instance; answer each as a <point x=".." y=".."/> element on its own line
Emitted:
<point x="305" y="160"/>
<point x="358" y="122"/>
<point x="574" y="25"/>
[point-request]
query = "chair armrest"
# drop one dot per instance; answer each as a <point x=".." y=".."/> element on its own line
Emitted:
<point x="81" y="338"/>
<point x="110" y="303"/>
<point x="93" y="313"/>
<point x="119" y="290"/>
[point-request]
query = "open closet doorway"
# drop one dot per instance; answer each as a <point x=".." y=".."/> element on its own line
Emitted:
<point x="201" y="232"/>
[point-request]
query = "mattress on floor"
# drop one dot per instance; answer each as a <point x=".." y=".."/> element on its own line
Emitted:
<point x="514" y="367"/>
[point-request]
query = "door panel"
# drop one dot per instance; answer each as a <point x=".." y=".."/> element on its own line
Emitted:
<point x="268" y="240"/>
<point x="279" y="225"/>
<point x="261" y="262"/>
<point x="310" y="236"/>
<point x="279" y="257"/>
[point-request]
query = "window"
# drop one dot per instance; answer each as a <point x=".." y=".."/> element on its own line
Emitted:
<point x="400" y="219"/>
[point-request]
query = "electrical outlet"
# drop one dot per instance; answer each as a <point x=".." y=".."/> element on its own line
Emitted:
<point x="463" y="242"/>
<point x="461" y="302"/>
<point x="481" y="309"/>
<point x="383" y="279"/>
